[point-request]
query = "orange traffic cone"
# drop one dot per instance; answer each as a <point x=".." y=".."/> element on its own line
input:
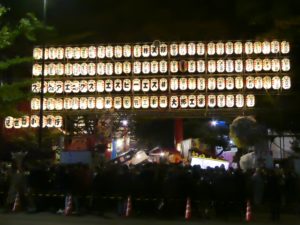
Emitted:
<point x="128" y="206"/>
<point x="17" y="204"/>
<point x="68" y="205"/>
<point x="188" y="209"/>
<point x="248" y="212"/>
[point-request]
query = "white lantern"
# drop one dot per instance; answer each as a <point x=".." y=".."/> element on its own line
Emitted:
<point x="211" y="48"/>
<point x="211" y="66"/>
<point x="36" y="87"/>
<point x="238" y="47"/>
<point x="35" y="104"/>
<point x="192" y="84"/>
<point x="34" y="121"/>
<point x="285" y="47"/>
<point x="220" y="66"/>
<point x="100" y="103"/>
<point x="137" y="51"/>
<point x="221" y="101"/>
<point x="267" y="82"/>
<point x="145" y="102"/>
<point x="229" y="48"/>
<point x="117" y="102"/>
<point x="59" y="104"/>
<point x="69" y="69"/>
<point x="238" y="64"/>
<point x="58" y="121"/>
<point x="9" y="122"/>
<point x="92" y="52"/>
<point x="257" y="65"/>
<point x="201" y="101"/>
<point x="163" y="102"/>
<point x="192" y="101"/>
<point x="276" y="82"/>
<point x="127" y="102"/>
<point x="50" y="120"/>
<point x="200" y="48"/>
<point x="17" y="123"/>
<point x="77" y="53"/>
<point x="249" y="82"/>
<point x="50" y="103"/>
<point x="211" y="101"/>
<point x="20" y="122"/>
<point x="191" y="66"/>
<point x="46" y="53"/>
<point x="84" y="54"/>
<point x="118" y="85"/>
<point x="229" y="66"/>
<point x="182" y="49"/>
<point x="60" y="53"/>
<point x="109" y="85"/>
<point x="145" y="50"/>
<point x="229" y="101"/>
<point x="118" y="51"/>
<point x="239" y="100"/>
<point x="191" y="48"/>
<point x="173" y="49"/>
<point x="91" y="84"/>
<point x="154" y="84"/>
<point x="126" y="51"/>
<point x="127" y="67"/>
<point x="84" y="69"/>
<point x="163" y="66"/>
<point x="201" y="66"/>
<point x="91" y="69"/>
<point x="220" y="83"/>
<point x="51" y="69"/>
<point x="174" y="66"/>
<point x="275" y="65"/>
<point x="109" y="68"/>
<point x="137" y="102"/>
<point x="248" y="47"/>
<point x="211" y="84"/>
<point x="127" y="85"/>
<point x="258" y="82"/>
<point x="146" y="67"/>
<point x="136" y="85"/>
<point x="267" y="65"/>
<point x="76" y="69"/>
<point x="59" y="69"/>
<point x="37" y="70"/>
<point x="154" y="67"/>
<point x="183" y="84"/>
<point x="83" y="85"/>
<point x="137" y="67"/>
<point x="201" y="84"/>
<point x="285" y="64"/>
<point x="183" y="101"/>
<point x="249" y="65"/>
<point x="75" y="84"/>
<point x="174" y="102"/>
<point x="108" y="102"/>
<point x="154" y="102"/>
<point x="51" y="86"/>
<point x="145" y="85"/>
<point x="52" y="53"/>
<point x="37" y="53"/>
<point x="45" y="87"/>
<point x="275" y="47"/>
<point x="163" y="49"/>
<point x="118" y="68"/>
<point x="286" y="82"/>
<point x="266" y="47"/>
<point x="101" y="52"/>
<point x="109" y="51"/>
<point x="100" y="86"/>
<point x="69" y="52"/>
<point x="68" y="103"/>
<point x="163" y="84"/>
<point x="239" y="84"/>
<point x="229" y="83"/>
<point x="257" y="47"/>
<point x="220" y="48"/>
<point x="250" y="100"/>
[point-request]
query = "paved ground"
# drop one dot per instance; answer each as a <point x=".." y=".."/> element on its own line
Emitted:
<point x="54" y="219"/>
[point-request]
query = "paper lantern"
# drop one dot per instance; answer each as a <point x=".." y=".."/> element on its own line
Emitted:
<point x="258" y="82"/>
<point x="163" y="102"/>
<point x="46" y="53"/>
<point x="69" y="69"/>
<point x="154" y="50"/>
<point x="285" y="64"/>
<point x="266" y="47"/>
<point x="154" y="84"/>
<point x="50" y="120"/>
<point x="108" y="102"/>
<point x="84" y="54"/>
<point x="60" y="53"/>
<point x="136" y="85"/>
<point x="238" y="64"/>
<point x="201" y="101"/>
<point x="127" y="67"/>
<point x="137" y="51"/>
<point x="229" y="83"/>
<point x="211" y="84"/>
<point x="35" y="104"/>
<point x="276" y="82"/>
<point x="154" y="102"/>
<point x="220" y="83"/>
<point x="267" y="64"/>
<point x="174" y="66"/>
<point x="37" y="53"/>
<point x="58" y="121"/>
<point x="192" y="83"/>
<point x="101" y="52"/>
<point x="174" y="102"/>
<point x="183" y="66"/>
<point x="183" y="100"/>
<point x="220" y="66"/>
<point x="91" y="86"/>
<point x="183" y="84"/>
<point x="239" y="84"/>
<point x="36" y="87"/>
<point x="109" y="85"/>
<point x="45" y="87"/>
<point x="238" y="47"/>
<point x="83" y="86"/>
<point x="72" y="86"/>
<point x="200" y="48"/>
<point x="201" y="66"/>
<point x="50" y="103"/>
<point x="92" y="52"/>
<point x="285" y="47"/>
<point x="100" y="86"/>
<point x="84" y="69"/>
<point x="249" y="65"/>
<point x="51" y="86"/>
<point x="9" y="122"/>
<point x="59" y="69"/>
<point x="163" y="49"/>
<point x="173" y="49"/>
<point x="118" y="68"/>
<point x="211" y="48"/>
<point x="109" y="68"/>
<point x="191" y="66"/>
<point x="118" y="85"/>
<point x="248" y="47"/>
<point x="145" y="50"/>
<point x="91" y="69"/>
<point x="37" y="70"/>
<point x="145" y="67"/>
<point x="34" y="121"/>
<point x="182" y="49"/>
<point x="100" y="103"/>
<point x="127" y="85"/>
<point x="59" y="104"/>
<point x="250" y="100"/>
<point x="145" y="85"/>
<point x="229" y="101"/>
<point x="68" y="103"/>
<point x="126" y="102"/>
<point x="109" y="51"/>
<point x="275" y="47"/>
<point x="191" y="47"/>
<point x="17" y="122"/>
<point x="211" y="101"/>
<point x="118" y="51"/>
<point x="77" y="53"/>
<point x="25" y="121"/>
<point x="257" y="65"/>
<point x="163" y="84"/>
<point x="221" y="101"/>
<point x="229" y="66"/>
<point x="137" y="102"/>
<point x="220" y="48"/>
<point x="52" y="53"/>
<point x="52" y="69"/>
<point x="163" y="66"/>
<point x="239" y="100"/>
<point x="137" y="67"/>
<point x="126" y="51"/>
<point x="286" y="82"/>
<point x="201" y="84"/>
<point x="267" y="82"/>
<point x="145" y="102"/>
<point x="257" y="48"/>
<point x="249" y="82"/>
<point x="211" y="67"/>
<point x="154" y="67"/>
<point x="76" y="69"/>
<point x="117" y="102"/>
<point x="275" y="65"/>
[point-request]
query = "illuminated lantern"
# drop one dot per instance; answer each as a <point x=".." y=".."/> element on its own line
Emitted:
<point x="201" y="66"/>
<point x="136" y="84"/>
<point x="145" y="50"/>
<point x="34" y="121"/>
<point x="285" y="64"/>
<point x="36" y="87"/>
<point x="58" y="121"/>
<point x="118" y="85"/>
<point x="163" y="49"/>
<point x="211" y="48"/>
<point x="174" y="66"/>
<point x="211" y="66"/>
<point x="257" y="64"/>
<point x="84" y="69"/>
<point x="211" y="101"/>
<point x="118" y="68"/>
<point x="59" y="69"/>
<point x="229" y="101"/>
<point x="229" y="83"/>
<point x="37" y="53"/>
<point x="137" y="51"/>
<point x="109" y="85"/>
<point x="145" y="85"/>
<point x="101" y="52"/>
<point x="9" y="122"/>
<point x="59" y="104"/>
<point x="249" y="65"/>
<point x="211" y="84"/>
<point x="183" y="101"/>
<point x="76" y="69"/>
<point x="275" y="47"/>
<point x="118" y="51"/>
<point x="229" y="48"/>
<point x="154" y="102"/>
<point x="239" y="84"/>
<point x="154" y="84"/>
<point x="250" y="100"/>
<point x="117" y="102"/>
<point x="238" y="47"/>
<point x="100" y="86"/>
<point x="192" y="83"/>
<point x="108" y="102"/>
<point x="109" y="69"/>
<point x="239" y="100"/>
<point x="220" y="48"/>
<point x="183" y="84"/>
<point x="286" y="82"/>
<point x="182" y="49"/>
<point x="173" y="49"/>
<point x="46" y="53"/>
<point x="275" y="65"/>
<point x="191" y="48"/>
<point x="126" y="51"/>
<point x="91" y="86"/>
<point x="50" y="121"/>
<point x="174" y="102"/>
<point x="248" y="48"/>
<point x="201" y="101"/>
<point x="154" y="67"/>
<point x="154" y="50"/>
<point x="221" y="101"/>
<point x="69" y="52"/>
<point x="174" y="84"/>
<point x="25" y="120"/>
<point x="51" y="86"/>
<point x="52" y="69"/>
<point x="35" y="104"/>
<point x="285" y="47"/>
<point x="50" y="103"/>
<point x="145" y="102"/>
<point x="127" y="85"/>
<point x="250" y="82"/>
<point x="127" y="67"/>
<point x="266" y="64"/>
<point x="92" y="52"/>
<point x="220" y="83"/>
<point x="220" y="66"/>
<point x="163" y="66"/>
<point x="37" y="70"/>
<point x="45" y="87"/>
<point x="109" y="51"/>
<point x="266" y="47"/>
<point x="91" y="69"/>
<point x="126" y="102"/>
<point x="238" y="64"/>
<point x="276" y="82"/>
<point x="69" y="69"/>
<point x="183" y="66"/>
<point x="83" y="86"/>
<point x="200" y="48"/>
<point x="267" y="82"/>
<point x="71" y="86"/>
<point x="84" y="54"/>
<point x="146" y="67"/>
<point x="201" y="84"/>
<point x="163" y="84"/>
<point x="191" y="66"/>
<point x="52" y="53"/>
<point x="163" y="102"/>
<point x="192" y="101"/>
<point x="77" y="53"/>
<point x="258" y="82"/>
<point x="137" y="102"/>
<point x="229" y="66"/>
<point x="137" y="67"/>
<point x="100" y="103"/>
<point x="68" y="103"/>
<point x="257" y="47"/>
<point x="91" y="102"/>
<point x="60" y="53"/>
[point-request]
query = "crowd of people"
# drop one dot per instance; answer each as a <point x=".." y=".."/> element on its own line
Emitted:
<point x="154" y="188"/>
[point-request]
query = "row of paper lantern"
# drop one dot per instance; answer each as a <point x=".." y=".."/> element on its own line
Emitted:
<point x="154" y="67"/>
<point x="163" y="84"/>
<point x="145" y="102"/>
<point x="33" y="121"/>
<point x="162" y="49"/>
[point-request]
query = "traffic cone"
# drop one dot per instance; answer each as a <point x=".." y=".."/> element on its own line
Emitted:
<point x="17" y="204"/>
<point x="128" y="206"/>
<point x="68" y="205"/>
<point x="248" y="212"/>
<point x="188" y="209"/>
